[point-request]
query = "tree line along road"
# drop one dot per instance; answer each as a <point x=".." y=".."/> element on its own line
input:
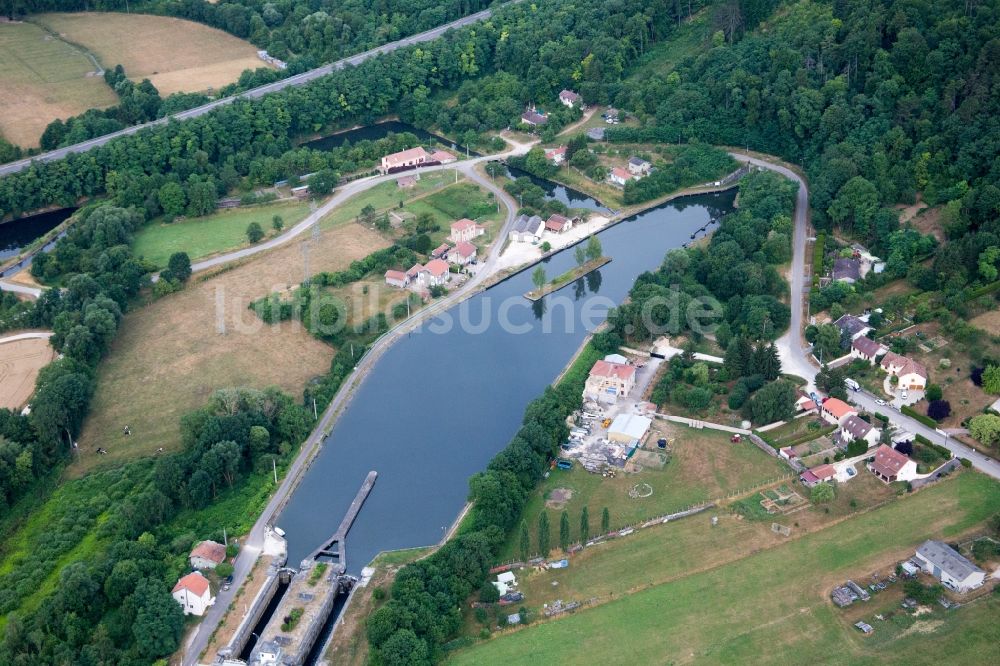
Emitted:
<point x="253" y="93"/>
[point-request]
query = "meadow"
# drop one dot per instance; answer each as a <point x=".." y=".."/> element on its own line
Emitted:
<point x="176" y="55"/>
<point x="772" y="605"/>
<point x="42" y="79"/>
<point x="221" y="231"/>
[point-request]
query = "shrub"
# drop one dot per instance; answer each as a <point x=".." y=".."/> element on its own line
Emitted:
<point x="939" y="410"/>
<point x="224" y="569"/>
<point x="933" y="393"/>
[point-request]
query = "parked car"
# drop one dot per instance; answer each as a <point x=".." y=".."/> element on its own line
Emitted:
<point x="879" y="401"/>
<point x="905" y="395"/>
<point x="227" y="583"/>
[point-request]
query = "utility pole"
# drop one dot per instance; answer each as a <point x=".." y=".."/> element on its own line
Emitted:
<point x="315" y="415"/>
<point x="274" y="467"/>
<point x="225" y="539"/>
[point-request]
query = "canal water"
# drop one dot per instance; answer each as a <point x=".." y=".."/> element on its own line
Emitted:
<point x="440" y="403"/>
<point x="374" y="132"/>
<point x="572" y="198"/>
<point x="17" y="234"/>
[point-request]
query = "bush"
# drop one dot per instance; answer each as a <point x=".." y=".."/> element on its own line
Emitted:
<point x="933" y="393"/>
<point x="939" y="410"/>
<point x="926" y="420"/>
<point x="224" y="569"/>
<point x="965" y="462"/>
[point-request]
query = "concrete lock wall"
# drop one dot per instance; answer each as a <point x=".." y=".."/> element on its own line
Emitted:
<point x="260" y="602"/>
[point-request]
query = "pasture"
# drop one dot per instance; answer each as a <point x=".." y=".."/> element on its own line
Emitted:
<point x="20" y="362"/>
<point x="176" y="55"/>
<point x="703" y="466"/>
<point x="218" y="232"/>
<point x="769" y="606"/>
<point x="170" y="355"/>
<point x="42" y="79"/>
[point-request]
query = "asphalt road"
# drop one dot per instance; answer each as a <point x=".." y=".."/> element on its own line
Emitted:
<point x="253" y="93"/>
<point x="796" y="357"/>
<point x="251" y="548"/>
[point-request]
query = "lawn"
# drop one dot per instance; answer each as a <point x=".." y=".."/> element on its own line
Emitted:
<point x="387" y="196"/>
<point x="211" y="234"/>
<point x="770" y="606"/>
<point x="703" y="465"/>
<point x="176" y="55"/>
<point x="42" y="79"/>
<point x="171" y="354"/>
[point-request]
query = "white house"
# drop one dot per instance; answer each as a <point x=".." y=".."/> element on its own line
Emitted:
<point x="854" y="428"/>
<point x="638" y="167"/>
<point x="405" y="159"/>
<point x="912" y="375"/>
<point x="207" y="555"/>
<point x="865" y="348"/>
<point x="527" y="229"/>
<point x="570" y="98"/>
<point x="193" y="593"/>
<point x="465" y="230"/>
<point x="891" y="465"/>
<point x="462" y="254"/>
<point x="556" y="155"/>
<point x="619" y="176"/>
<point x="609" y="381"/>
<point x="949" y="566"/>
<point x="835" y="411"/>
<point x="397" y="279"/>
<point x="437" y="272"/>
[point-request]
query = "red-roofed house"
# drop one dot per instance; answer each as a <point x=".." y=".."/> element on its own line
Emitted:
<point x="891" y="465"/>
<point x="817" y="474"/>
<point x="912" y="375"/>
<point x="609" y="381"/>
<point x="803" y="401"/>
<point x="397" y="279"/>
<point x="193" y="593"/>
<point x="207" y="555"/>
<point x="437" y="272"/>
<point x="619" y="176"/>
<point x="836" y="410"/>
<point x="462" y="254"/>
<point x="406" y="159"/>
<point x="556" y="155"/>
<point x="418" y="273"/>
<point x="440" y="251"/>
<point x="443" y="156"/>
<point x="465" y="230"/>
<point x="558" y="224"/>
<point x="570" y="98"/>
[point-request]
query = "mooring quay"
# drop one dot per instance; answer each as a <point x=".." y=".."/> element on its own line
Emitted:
<point x="305" y="607"/>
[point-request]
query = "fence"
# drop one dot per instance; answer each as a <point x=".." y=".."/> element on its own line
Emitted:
<point x="698" y="424"/>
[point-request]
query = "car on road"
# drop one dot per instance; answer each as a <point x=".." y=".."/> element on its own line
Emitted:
<point x="879" y="401"/>
<point x="905" y="395"/>
<point x="227" y="583"/>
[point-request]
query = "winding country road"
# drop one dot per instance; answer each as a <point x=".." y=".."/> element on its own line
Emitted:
<point x="253" y="93"/>
<point x="797" y="359"/>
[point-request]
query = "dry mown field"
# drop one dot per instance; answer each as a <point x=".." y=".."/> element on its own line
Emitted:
<point x="20" y="362"/>
<point x="170" y="356"/>
<point x="43" y="79"/>
<point x="176" y="55"/>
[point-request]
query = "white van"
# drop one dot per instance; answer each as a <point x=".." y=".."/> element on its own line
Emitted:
<point x="853" y="385"/>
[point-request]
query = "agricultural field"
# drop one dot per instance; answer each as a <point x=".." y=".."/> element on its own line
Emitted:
<point x="43" y="79"/>
<point x="221" y="231"/>
<point x="20" y="362"/>
<point x="703" y="465"/>
<point x="773" y="601"/>
<point x="176" y="55"/>
<point x="171" y="354"/>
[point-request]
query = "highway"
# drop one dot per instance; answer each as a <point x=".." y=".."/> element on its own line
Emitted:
<point x="253" y="93"/>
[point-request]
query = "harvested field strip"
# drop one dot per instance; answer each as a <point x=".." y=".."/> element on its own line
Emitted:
<point x="176" y="55"/>
<point x="20" y="362"/>
<point x="42" y="79"/>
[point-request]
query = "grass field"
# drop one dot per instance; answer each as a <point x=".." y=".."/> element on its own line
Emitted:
<point x="176" y="55"/>
<point x="386" y="196"/>
<point x="704" y="465"/>
<point x="170" y="355"/>
<point x="211" y="234"/>
<point x="771" y="606"/>
<point x="20" y="363"/>
<point x="43" y="79"/>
